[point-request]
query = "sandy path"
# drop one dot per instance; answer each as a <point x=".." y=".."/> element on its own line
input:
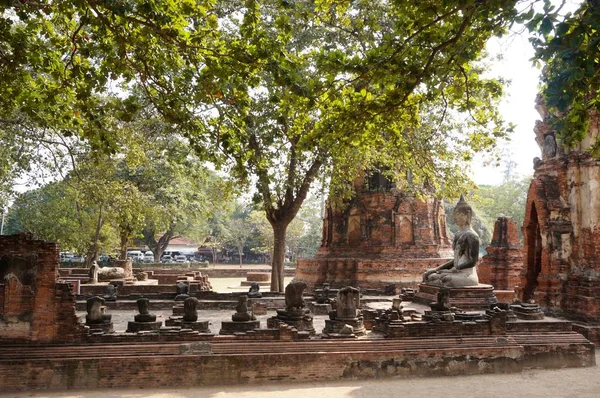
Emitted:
<point x="572" y="382"/>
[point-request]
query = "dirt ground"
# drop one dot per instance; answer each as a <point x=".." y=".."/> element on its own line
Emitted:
<point x="571" y="382"/>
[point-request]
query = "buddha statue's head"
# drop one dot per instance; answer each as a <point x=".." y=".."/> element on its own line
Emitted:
<point x="462" y="213"/>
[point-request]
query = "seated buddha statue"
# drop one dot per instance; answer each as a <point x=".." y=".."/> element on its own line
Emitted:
<point x="461" y="271"/>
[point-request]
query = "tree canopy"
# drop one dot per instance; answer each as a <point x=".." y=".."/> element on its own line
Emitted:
<point x="279" y="93"/>
<point x="568" y="45"/>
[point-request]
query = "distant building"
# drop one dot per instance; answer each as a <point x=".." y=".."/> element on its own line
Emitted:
<point x="183" y="245"/>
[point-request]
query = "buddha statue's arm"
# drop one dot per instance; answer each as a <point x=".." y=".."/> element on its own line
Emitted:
<point x="472" y="252"/>
<point x="446" y="266"/>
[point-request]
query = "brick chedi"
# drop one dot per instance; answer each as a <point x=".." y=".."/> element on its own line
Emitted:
<point x="501" y="267"/>
<point x="562" y="227"/>
<point x="380" y="237"/>
<point x="34" y="305"/>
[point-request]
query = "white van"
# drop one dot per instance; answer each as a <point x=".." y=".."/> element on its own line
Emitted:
<point x="135" y="255"/>
<point x="148" y="257"/>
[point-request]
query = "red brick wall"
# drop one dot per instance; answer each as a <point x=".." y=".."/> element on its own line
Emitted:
<point x="562" y="228"/>
<point x="386" y="224"/>
<point x="502" y="266"/>
<point x="141" y="367"/>
<point x="42" y="311"/>
<point x="377" y="239"/>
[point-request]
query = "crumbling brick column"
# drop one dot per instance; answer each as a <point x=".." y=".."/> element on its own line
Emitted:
<point x="35" y="306"/>
<point x="502" y="265"/>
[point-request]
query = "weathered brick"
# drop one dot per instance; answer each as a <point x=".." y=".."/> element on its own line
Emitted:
<point x="379" y="238"/>
<point x="501" y="267"/>
<point x="38" y="308"/>
<point x="562" y="228"/>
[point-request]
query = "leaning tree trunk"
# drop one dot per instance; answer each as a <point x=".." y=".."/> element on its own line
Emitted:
<point x="157" y="246"/>
<point x="93" y="250"/>
<point x="123" y="246"/>
<point x="278" y="259"/>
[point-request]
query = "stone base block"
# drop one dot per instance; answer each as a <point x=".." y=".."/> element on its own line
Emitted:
<point x="258" y="277"/>
<point x="144" y="318"/>
<point x="106" y="327"/>
<point x="178" y="309"/>
<point x="529" y="312"/>
<point x="199" y="326"/>
<point x="134" y="327"/>
<point x="334" y="326"/>
<point x="230" y="327"/>
<point x="478" y="297"/>
<point x="364" y="273"/>
<point x="303" y="324"/>
<point x="259" y="308"/>
<point x="174" y="321"/>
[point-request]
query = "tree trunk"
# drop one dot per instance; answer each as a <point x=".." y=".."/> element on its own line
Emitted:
<point x="123" y="246"/>
<point x="240" y="253"/>
<point x="93" y="251"/>
<point x="157" y="246"/>
<point x="161" y="246"/>
<point x="214" y="250"/>
<point x="278" y="259"/>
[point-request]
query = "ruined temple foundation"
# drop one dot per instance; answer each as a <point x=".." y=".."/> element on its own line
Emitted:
<point x="44" y="346"/>
<point x="374" y="274"/>
<point x="502" y="266"/>
<point x="140" y="365"/>
<point x="478" y="297"/>
<point x="379" y="239"/>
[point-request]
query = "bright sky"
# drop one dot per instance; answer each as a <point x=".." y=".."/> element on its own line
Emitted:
<point x="519" y="105"/>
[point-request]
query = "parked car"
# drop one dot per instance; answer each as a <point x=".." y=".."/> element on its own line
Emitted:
<point x="166" y="259"/>
<point x="148" y="257"/>
<point x="136" y="255"/>
<point x="105" y="259"/>
<point x="66" y="257"/>
<point x="180" y="258"/>
<point x="78" y="259"/>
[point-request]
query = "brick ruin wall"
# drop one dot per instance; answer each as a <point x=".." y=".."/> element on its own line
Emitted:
<point x="502" y="266"/>
<point x="377" y="239"/>
<point x="386" y="224"/>
<point x="34" y="307"/>
<point x="562" y="227"/>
